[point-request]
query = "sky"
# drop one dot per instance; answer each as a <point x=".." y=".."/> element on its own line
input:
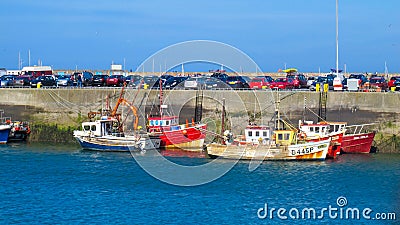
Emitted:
<point x="92" y="34"/>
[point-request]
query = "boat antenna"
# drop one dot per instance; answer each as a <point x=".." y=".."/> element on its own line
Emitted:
<point x="337" y="38"/>
<point x="278" y="115"/>
<point x="161" y="97"/>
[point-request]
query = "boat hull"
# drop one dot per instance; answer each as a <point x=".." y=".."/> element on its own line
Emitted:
<point x="191" y="138"/>
<point x="299" y="152"/>
<point x="357" y="143"/>
<point x="19" y="131"/>
<point x="18" y="136"/>
<point x="4" y="133"/>
<point x="115" y="144"/>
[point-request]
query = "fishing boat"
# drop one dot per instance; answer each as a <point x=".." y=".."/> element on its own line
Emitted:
<point x="107" y="133"/>
<point x="104" y="135"/>
<point x="187" y="136"/>
<point x="284" y="144"/>
<point x="20" y="131"/>
<point x="356" y="139"/>
<point x="4" y="132"/>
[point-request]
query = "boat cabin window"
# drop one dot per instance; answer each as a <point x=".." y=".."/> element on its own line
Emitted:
<point x="250" y="133"/>
<point x="317" y="130"/>
<point x="86" y="127"/>
<point x="167" y="122"/>
<point x="93" y="128"/>
<point x="257" y="133"/>
<point x="265" y="134"/>
<point x="311" y="129"/>
<point x="284" y="137"/>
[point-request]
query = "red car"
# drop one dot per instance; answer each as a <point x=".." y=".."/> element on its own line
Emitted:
<point x="261" y="82"/>
<point x="300" y="81"/>
<point x="378" y="82"/>
<point x="393" y="80"/>
<point x="115" y="80"/>
<point x="282" y="83"/>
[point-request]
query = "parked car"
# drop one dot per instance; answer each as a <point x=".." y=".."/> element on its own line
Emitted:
<point x="100" y="80"/>
<point x="64" y="80"/>
<point x="378" y="82"/>
<point x="237" y="82"/>
<point x="115" y="80"/>
<point x="174" y="82"/>
<point x="147" y="82"/>
<point x="7" y="80"/>
<point x="392" y="81"/>
<point x="300" y="81"/>
<point x="260" y="82"/>
<point x="321" y="80"/>
<point x="132" y="79"/>
<point x="196" y="82"/>
<point x="397" y="85"/>
<point x="214" y="83"/>
<point x="220" y="76"/>
<point x="362" y="79"/>
<point x="87" y="78"/>
<point x="21" y="81"/>
<point x="163" y="78"/>
<point x="310" y="81"/>
<point x="45" y="81"/>
<point x="282" y="83"/>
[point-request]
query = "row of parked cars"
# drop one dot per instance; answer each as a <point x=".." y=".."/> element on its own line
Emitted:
<point x="363" y="82"/>
<point x="215" y="81"/>
<point x="76" y="79"/>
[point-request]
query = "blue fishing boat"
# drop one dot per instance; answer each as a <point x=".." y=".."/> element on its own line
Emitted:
<point x="104" y="135"/>
<point x="4" y="132"/>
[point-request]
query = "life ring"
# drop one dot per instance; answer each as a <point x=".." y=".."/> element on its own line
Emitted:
<point x="302" y="136"/>
<point x="264" y="141"/>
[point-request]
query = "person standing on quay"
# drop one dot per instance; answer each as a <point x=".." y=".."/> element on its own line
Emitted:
<point x="79" y="80"/>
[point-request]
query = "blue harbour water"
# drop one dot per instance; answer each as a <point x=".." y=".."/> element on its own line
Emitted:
<point x="57" y="184"/>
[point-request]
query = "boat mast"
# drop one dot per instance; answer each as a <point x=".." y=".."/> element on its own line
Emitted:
<point x="161" y="97"/>
<point x="223" y="118"/>
<point x="278" y="115"/>
<point x="337" y="38"/>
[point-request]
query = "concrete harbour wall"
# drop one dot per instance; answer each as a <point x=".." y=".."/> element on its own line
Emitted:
<point x="69" y="106"/>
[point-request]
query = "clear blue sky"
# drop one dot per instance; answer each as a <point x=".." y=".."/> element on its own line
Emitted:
<point x="92" y="33"/>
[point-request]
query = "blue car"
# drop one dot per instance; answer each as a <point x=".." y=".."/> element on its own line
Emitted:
<point x="6" y="81"/>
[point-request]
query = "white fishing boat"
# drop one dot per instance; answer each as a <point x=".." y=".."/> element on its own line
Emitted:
<point x="103" y="135"/>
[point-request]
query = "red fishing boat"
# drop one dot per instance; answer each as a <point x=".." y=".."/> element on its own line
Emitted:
<point x="174" y="135"/>
<point x="187" y="137"/>
<point x="356" y="139"/>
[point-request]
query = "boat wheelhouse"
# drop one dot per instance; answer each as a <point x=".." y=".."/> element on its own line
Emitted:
<point x="316" y="131"/>
<point x="165" y="123"/>
<point x="257" y="133"/>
